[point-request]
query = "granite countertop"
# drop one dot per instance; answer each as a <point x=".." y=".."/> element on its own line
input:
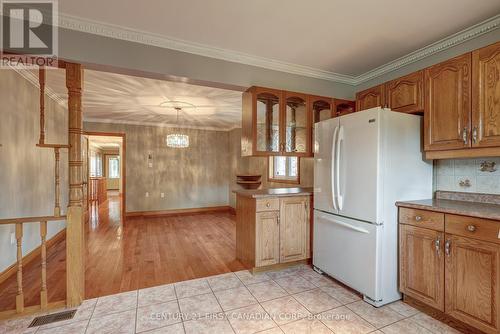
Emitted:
<point x="465" y="208"/>
<point x="275" y="192"/>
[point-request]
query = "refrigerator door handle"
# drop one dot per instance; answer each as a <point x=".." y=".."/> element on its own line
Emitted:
<point x="348" y="226"/>
<point x="338" y="196"/>
<point x="333" y="165"/>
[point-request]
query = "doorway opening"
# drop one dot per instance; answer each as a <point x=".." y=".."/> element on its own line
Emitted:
<point x="104" y="182"/>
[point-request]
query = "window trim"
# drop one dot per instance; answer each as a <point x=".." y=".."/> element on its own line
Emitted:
<point x="270" y="176"/>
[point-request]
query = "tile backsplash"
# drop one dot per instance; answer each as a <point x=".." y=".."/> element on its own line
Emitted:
<point x="480" y="175"/>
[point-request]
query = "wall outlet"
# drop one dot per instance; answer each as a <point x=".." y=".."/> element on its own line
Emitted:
<point x="147" y="194"/>
<point x="162" y="195"/>
<point x="12" y="238"/>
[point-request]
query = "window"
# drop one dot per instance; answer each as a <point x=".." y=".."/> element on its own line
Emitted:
<point x="284" y="169"/>
<point x="95" y="164"/>
<point x="114" y="168"/>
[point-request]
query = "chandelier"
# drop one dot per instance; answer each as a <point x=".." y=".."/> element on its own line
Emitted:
<point x="177" y="139"/>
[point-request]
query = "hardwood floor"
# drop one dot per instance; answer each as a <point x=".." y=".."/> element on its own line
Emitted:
<point x="140" y="253"/>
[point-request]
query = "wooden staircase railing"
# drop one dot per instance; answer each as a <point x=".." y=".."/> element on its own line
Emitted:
<point x="44" y="305"/>
<point x="97" y="190"/>
<point x="75" y="268"/>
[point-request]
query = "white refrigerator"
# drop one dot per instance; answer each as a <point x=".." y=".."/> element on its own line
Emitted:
<point x="363" y="163"/>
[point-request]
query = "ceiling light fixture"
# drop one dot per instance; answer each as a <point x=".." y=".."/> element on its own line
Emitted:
<point x="177" y="139"/>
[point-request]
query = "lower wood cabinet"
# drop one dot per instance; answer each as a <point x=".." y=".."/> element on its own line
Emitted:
<point x="422" y="265"/>
<point x="271" y="231"/>
<point x="267" y="238"/>
<point x="456" y="271"/>
<point x="472" y="282"/>
<point x="294" y="228"/>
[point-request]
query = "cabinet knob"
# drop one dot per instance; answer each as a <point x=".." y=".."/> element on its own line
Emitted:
<point x="268" y="204"/>
<point x="418" y="218"/>
<point x="471" y="228"/>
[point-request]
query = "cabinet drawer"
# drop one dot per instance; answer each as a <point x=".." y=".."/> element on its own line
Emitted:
<point x="268" y="204"/>
<point x="476" y="228"/>
<point x="422" y="218"/>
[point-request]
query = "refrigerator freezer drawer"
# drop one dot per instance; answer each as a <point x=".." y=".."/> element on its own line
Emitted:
<point x="347" y="250"/>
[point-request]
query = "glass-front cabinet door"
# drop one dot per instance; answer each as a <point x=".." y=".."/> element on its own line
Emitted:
<point x="321" y="108"/>
<point x="268" y="105"/>
<point x="296" y="129"/>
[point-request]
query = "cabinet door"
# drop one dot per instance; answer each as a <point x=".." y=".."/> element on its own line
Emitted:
<point x="448" y="104"/>
<point x="472" y="282"/>
<point x="422" y="265"/>
<point x="343" y="107"/>
<point x="267" y="105"/>
<point x="406" y="94"/>
<point x="294" y="228"/>
<point x="267" y="238"/>
<point x="296" y="129"/>
<point x="321" y="108"/>
<point x="371" y="98"/>
<point x="486" y="96"/>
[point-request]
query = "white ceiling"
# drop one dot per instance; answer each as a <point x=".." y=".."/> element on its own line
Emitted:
<point x="342" y="36"/>
<point x="118" y="98"/>
<point x="105" y="142"/>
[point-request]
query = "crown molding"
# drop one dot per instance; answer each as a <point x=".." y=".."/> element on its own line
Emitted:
<point x="33" y="79"/>
<point x="443" y="44"/>
<point x="161" y="125"/>
<point x="137" y="36"/>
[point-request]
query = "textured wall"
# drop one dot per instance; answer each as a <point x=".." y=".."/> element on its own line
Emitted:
<point x="26" y="171"/>
<point x="259" y="165"/>
<point x="449" y="173"/>
<point x="194" y="177"/>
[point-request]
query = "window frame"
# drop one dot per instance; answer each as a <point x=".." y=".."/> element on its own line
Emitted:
<point x="270" y="171"/>
<point x="108" y="165"/>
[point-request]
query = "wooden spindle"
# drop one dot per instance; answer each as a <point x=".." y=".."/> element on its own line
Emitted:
<point x="41" y="80"/>
<point x="20" y="294"/>
<point x="43" y="238"/>
<point x="57" y="207"/>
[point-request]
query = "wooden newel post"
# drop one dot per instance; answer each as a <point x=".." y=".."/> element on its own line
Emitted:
<point x="75" y="243"/>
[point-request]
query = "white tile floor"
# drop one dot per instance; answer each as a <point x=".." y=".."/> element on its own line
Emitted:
<point x="294" y="300"/>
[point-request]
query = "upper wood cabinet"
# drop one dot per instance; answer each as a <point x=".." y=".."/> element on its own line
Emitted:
<point x="448" y="104"/>
<point x="473" y="282"/>
<point x="343" y="107"/>
<point x="486" y="96"/>
<point x="276" y="122"/>
<point x="406" y="94"/>
<point x="296" y="129"/>
<point x="422" y="265"/>
<point x="294" y="228"/>
<point x="371" y="98"/>
<point x="321" y="108"/>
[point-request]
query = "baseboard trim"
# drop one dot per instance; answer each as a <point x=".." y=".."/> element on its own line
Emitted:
<point x="232" y="210"/>
<point x="177" y="212"/>
<point x="12" y="270"/>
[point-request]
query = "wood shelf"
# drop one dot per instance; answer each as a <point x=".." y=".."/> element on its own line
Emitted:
<point x="249" y="181"/>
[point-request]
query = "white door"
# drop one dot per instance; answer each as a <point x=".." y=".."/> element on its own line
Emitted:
<point x="347" y="250"/>
<point x="324" y="137"/>
<point x="358" y="165"/>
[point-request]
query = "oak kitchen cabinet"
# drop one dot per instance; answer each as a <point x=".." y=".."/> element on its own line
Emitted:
<point x="406" y="94"/>
<point x="453" y="267"/>
<point x="278" y="122"/>
<point x="486" y="96"/>
<point x="448" y="104"/>
<point x="371" y="98"/>
<point x="272" y="230"/>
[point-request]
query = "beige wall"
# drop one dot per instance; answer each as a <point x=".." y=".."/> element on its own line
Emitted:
<point x="259" y="165"/>
<point x="26" y="171"/>
<point x="190" y="178"/>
